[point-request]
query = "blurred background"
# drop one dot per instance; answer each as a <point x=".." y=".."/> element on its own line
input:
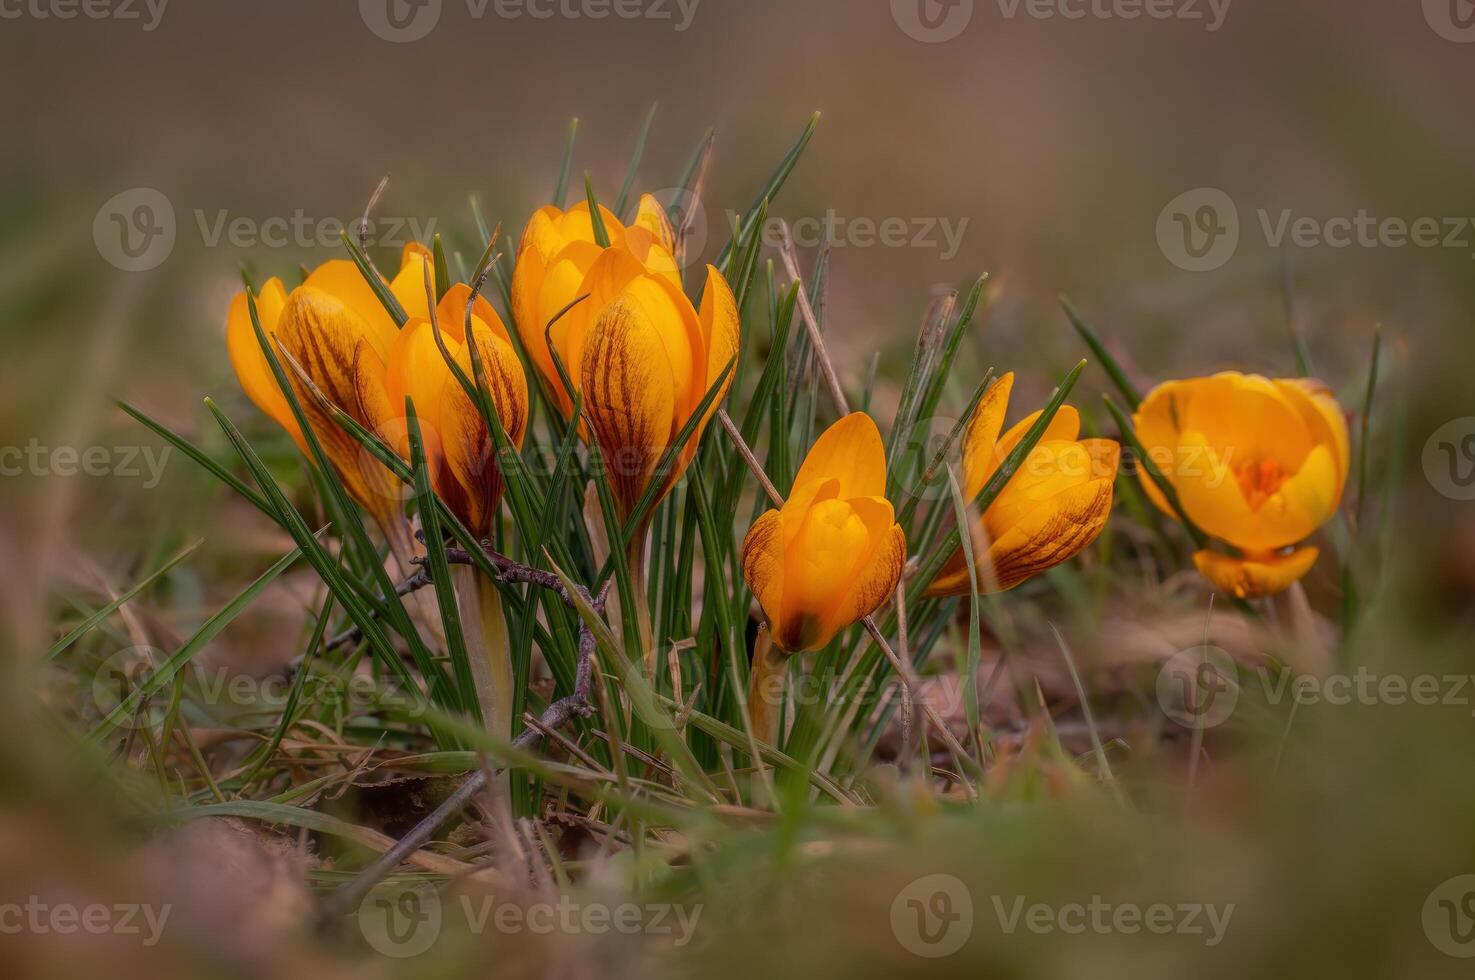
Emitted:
<point x="151" y="151"/>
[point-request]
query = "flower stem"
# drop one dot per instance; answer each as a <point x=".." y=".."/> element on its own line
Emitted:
<point x="766" y="687"/>
<point x="420" y="605"/>
<point x="638" y="575"/>
<point x="485" y="629"/>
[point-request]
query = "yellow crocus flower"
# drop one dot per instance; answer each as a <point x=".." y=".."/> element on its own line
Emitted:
<point x="460" y="450"/>
<point x="325" y="323"/>
<point x="1051" y="509"/>
<point x="641" y="354"/>
<point x="557" y="251"/>
<point x="1257" y="463"/>
<point x="347" y="344"/>
<point x="833" y="553"/>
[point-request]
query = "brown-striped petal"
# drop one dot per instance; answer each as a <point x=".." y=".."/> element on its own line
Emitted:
<point x="630" y="397"/>
<point x="323" y="334"/>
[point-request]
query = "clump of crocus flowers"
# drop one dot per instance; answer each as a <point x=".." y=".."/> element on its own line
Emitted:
<point x="349" y="351"/>
<point x="618" y="349"/>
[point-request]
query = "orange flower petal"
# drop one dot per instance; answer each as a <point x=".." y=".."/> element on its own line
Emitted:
<point x="1323" y="418"/>
<point x="252" y="369"/>
<point x="1252" y="578"/>
<point x="872" y="581"/>
<point x="340" y="278"/>
<point x="722" y="331"/>
<point x="651" y="217"/>
<point x="981" y="439"/>
<point x="850" y="451"/>
<point x="762" y="557"/>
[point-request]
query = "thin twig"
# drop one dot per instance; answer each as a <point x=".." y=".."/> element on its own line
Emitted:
<point x="416" y="580"/>
<point x="363" y="228"/>
<point x="749" y="458"/>
<point x="907" y="713"/>
<point x="693" y="192"/>
<point x="811" y="323"/>
<point x="909" y="680"/>
<point x="558" y="714"/>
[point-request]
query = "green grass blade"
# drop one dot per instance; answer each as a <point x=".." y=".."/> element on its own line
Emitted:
<point x="442" y="270"/>
<point x="596" y="218"/>
<point x="1145" y="460"/>
<point x="1293" y="315"/>
<point x="971" y="662"/>
<point x="104" y="612"/>
<point x="560" y="189"/>
<point x="352" y="526"/>
<point x="940" y="457"/>
<point x="674" y="202"/>
<point x="1350" y="596"/>
<point x="771" y="187"/>
<point x="643" y="700"/>
<point x="1365" y="424"/>
<point x="294" y="695"/>
<point x="440" y="568"/>
<point x="928" y="348"/>
<point x="378" y="285"/>
<point x="211" y="628"/>
<point x="623" y="200"/>
<point x="940" y="377"/>
<point x="1118" y="375"/>
<point x="726" y="733"/>
<point x="199" y="456"/>
<point x="322" y="562"/>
